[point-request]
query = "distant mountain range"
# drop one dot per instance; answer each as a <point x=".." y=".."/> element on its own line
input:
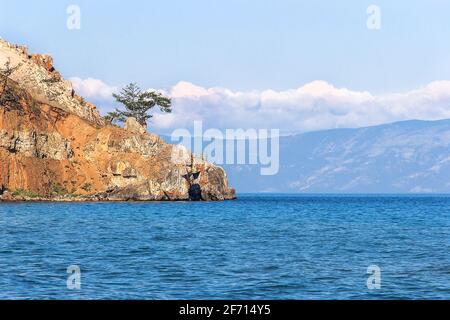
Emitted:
<point x="402" y="157"/>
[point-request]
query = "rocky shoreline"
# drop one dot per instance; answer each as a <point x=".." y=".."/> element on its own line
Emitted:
<point x="8" y="198"/>
<point x="55" y="146"/>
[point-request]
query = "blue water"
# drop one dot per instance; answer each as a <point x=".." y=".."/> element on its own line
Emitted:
<point x="259" y="247"/>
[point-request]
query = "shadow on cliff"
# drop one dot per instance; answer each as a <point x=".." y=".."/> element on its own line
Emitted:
<point x="195" y="192"/>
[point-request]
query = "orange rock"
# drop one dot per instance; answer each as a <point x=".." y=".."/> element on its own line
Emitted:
<point x="50" y="152"/>
<point x="43" y="60"/>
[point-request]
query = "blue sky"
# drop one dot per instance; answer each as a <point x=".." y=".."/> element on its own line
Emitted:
<point x="241" y="45"/>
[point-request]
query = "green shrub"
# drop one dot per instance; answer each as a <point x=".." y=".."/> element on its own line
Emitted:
<point x="25" y="193"/>
<point x="87" y="187"/>
<point x="59" y="190"/>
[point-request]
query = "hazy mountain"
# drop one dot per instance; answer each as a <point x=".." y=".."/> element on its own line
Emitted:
<point x="403" y="157"/>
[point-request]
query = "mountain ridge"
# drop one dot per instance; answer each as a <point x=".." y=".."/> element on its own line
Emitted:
<point x="411" y="156"/>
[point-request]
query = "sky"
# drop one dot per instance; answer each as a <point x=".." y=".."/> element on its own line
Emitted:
<point x="288" y="64"/>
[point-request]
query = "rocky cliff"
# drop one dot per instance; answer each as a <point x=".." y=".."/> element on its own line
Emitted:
<point x="56" y="146"/>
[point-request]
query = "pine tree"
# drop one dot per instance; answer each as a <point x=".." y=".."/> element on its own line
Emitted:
<point x="138" y="103"/>
<point x="114" y="117"/>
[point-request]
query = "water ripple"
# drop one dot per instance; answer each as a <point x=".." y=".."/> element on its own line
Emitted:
<point x="259" y="247"/>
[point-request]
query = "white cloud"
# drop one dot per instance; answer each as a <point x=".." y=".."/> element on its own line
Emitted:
<point x="186" y="89"/>
<point x="93" y="88"/>
<point x="315" y="106"/>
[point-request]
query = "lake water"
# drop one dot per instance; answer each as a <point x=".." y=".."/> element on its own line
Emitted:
<point x="258" y="247"/>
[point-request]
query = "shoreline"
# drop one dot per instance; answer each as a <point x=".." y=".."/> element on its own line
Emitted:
<point x="94" y="199"/>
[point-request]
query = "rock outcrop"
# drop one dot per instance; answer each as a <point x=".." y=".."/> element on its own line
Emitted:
<point x="134" y="126"/>
<point x="55" y="146"/>
<point x="38" y="77"/>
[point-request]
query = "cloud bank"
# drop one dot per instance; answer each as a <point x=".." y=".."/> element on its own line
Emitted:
<point x="315" y="106"/>
<point x="93" y="89"/>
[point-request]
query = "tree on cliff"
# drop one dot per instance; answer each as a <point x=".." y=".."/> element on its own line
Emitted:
<point x="7" y="96"/>
<point x="114" y="117"/>
<point x="138" y="103"/>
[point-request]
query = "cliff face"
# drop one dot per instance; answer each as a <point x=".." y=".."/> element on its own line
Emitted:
<point x="55" y="146"/>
